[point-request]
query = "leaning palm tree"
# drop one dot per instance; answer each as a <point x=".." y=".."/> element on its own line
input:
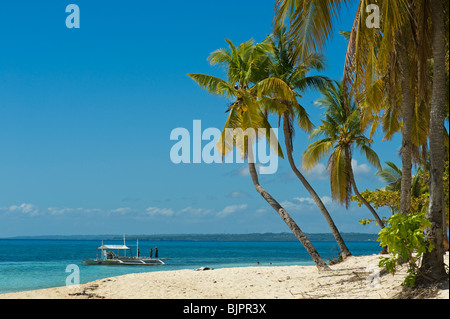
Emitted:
<point x="246" y="66"/>
<point x="342" y="132"/>
<point x="292" y="76"/>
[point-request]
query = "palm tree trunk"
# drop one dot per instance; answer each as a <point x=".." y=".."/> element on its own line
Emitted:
<point x="406" y="150"/>
<point x="320" y="263"/>
<point x="358" y="194"/>
<point x="444" y="224"/>
<point x="432" y="269"/>
<point x="345" y="252"/>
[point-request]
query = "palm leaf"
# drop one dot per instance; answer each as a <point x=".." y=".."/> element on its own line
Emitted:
<point x="213" y="85"/>
<point x="275" y="86"/>
<point x="315" y="152"/>
<point x="392" y="175"/>
<point x="303" y="120"/>
<point x="370" y="155"/>
<point x="339" y="176"/>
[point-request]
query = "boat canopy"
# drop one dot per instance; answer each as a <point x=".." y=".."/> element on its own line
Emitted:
<point x="113" y="247"/>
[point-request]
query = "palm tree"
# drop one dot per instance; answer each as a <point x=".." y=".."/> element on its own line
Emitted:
<point x="433" y="268"/>
<point x="246" y="66"/>
<point x="370" y="51"/>
<point x="379" y="69"/>
<point x="342" y="132"/>
<point x="286" y="73"/>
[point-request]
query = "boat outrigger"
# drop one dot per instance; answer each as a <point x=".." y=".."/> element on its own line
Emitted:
<point x="118" y="255"/>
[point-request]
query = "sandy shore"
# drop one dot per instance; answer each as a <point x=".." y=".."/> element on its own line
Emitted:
<point x="355" y="278"/>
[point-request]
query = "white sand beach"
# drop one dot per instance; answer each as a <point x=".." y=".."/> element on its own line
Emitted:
<point x="355" y="278"/>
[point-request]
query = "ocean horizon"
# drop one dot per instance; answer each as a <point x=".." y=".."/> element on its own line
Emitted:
<point x="29" y="264"/>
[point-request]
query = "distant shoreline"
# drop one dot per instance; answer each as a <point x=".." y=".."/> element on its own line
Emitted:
<point x="263" y="237"/>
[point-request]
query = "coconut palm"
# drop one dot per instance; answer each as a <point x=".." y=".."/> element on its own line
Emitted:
<point x="292" y="76"/>
<point x="342" y="132"/>
<point x="246" y="66"/>
<point x="433" y="268"/>
<point x="384" y="70"/>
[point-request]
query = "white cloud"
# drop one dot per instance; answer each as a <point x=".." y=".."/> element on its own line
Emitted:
<point x="231" y="209"/>
<point x="121" y="210"/>
<point x="243" y="170"/>
<point x="326" y="200"/>
<point x="60" y="211"/>
<point x="195" y="211"/>
<point x="24" y="208"/>
<point x="238" y="194"/>
<point x="305" y="200"/>
<point x="152" y="211"/>
<point x="307" y="204"/>
<point x="360" y="170"/>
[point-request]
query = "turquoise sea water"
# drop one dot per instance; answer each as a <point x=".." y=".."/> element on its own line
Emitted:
<point x="35" y="264"/>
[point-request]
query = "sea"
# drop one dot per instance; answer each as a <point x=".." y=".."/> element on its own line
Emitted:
<point x="29" y="264"/>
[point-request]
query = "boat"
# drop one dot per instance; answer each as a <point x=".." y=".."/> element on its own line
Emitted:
<point x="121" y="255"/>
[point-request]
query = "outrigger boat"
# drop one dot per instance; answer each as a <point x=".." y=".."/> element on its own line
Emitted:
<point x="109" y="257"/>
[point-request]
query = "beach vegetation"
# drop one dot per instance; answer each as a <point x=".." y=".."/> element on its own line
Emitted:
<point x="405" y="238"/>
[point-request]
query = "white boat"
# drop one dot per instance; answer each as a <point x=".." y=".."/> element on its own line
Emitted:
<point x="119" y="255"/>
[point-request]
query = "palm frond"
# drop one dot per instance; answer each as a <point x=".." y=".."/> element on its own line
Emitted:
<point x="274" y="87"/>
<point x="392" y="175"/>
<point x="220" y="57"/>
<point x="213" y="85"/>
<point x="315" y="152"/>
<point x="339" y="176"/>
<point x="303" y="120"/>
<point x="370" y="155"/>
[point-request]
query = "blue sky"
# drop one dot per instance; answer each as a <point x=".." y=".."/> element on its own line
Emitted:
<point x="86" y="115"/>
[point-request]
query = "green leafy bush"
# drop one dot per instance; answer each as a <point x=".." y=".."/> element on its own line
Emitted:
<point x="406" y="241"/>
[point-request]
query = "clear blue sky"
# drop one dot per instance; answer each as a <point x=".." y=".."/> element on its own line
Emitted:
<point x="86" y="115"/>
